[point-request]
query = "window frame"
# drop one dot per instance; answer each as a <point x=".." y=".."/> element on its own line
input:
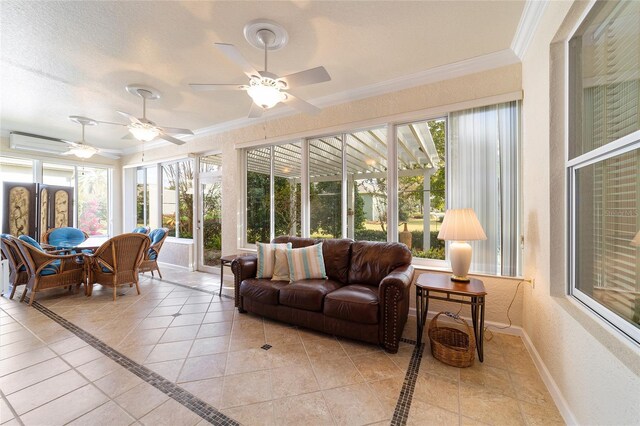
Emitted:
<point x="622" y="145"/>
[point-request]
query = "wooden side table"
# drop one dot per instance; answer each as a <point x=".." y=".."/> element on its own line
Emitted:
<point x="468" y="293"/>
<point x="226" y="261"/>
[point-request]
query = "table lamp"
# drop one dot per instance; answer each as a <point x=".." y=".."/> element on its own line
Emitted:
<point x="636" y="240"/>
<point x="460" y="226"/>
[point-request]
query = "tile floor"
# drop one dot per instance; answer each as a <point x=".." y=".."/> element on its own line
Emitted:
<point x="49" y="376"/>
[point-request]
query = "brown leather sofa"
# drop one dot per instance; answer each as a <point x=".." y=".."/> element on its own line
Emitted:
<point x="366" y="295"/>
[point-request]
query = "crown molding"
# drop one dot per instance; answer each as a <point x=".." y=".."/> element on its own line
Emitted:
<point x="531" y="15"/>
<point x="444" y="72"/>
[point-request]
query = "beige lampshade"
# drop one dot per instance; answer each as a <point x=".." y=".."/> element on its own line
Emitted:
<point x="636" y="240"/>
<point x="461" y="225"/>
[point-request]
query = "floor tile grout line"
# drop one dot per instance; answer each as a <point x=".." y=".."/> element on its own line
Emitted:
<point x="169" y="388"/>
<point x="13" y="411"/>
<point x="401" y="412"/>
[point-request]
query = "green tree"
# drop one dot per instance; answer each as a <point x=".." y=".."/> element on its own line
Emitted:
<point x="359" y="217"/>
<point x="438" y="193"/>
<point x="258" y="204"/>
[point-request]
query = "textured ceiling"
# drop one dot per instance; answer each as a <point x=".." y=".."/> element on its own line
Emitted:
<point x="75" y="58"/>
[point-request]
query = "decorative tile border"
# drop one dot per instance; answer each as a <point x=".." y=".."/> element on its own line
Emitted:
<point x="214" y="293"/>
<point x="401" y="413"/>
<point x="174" y="391"/>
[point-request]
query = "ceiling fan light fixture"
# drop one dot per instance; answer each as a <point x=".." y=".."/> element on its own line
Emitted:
<point x="266" y="92"/>
<point x="143" y="132"/>
<point x="83" y="151"/>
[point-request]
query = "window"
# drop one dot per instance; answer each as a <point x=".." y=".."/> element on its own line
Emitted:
<point x="58" y="174"/>
<point x="287" y="188"/>
<point x="367" y="185"/>
<point x="93" y="200"/>
<point x="16" y="170"/>
<point x="177" y="198"/>
<point x="325" y="186"/>
<point x="604" y="164"/>
<point x="421" y="186"/>
<point x="259" y="195"/>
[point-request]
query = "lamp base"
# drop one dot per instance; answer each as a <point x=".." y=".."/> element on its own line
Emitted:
<point x="460" y="279"/>
<point x="460" y="259"/>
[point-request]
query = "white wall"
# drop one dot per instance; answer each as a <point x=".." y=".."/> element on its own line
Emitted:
<point x="593" y="371"/>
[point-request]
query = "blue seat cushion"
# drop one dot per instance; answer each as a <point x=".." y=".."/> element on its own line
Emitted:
<point x="22" y="268"/>
<point x="51" y="269"/>
<point x="27" y="239"/>
<point x="66" y="237"/>
<point x="156" y="235"/>
<point x="140" y="230"/>
<point x="152" y="254"/>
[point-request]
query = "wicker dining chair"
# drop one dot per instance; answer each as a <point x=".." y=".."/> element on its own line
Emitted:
<point x="18" y="274"/>
<point x="150" y="262"/>
<point x="47" y="271"/>
<point x="116" y="262"/>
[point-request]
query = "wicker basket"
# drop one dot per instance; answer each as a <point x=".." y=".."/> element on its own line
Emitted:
<point x="450" y="345"/>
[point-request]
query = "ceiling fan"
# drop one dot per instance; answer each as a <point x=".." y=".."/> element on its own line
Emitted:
<point x="267" y="89"/>
<point x="82" y="149"/>
<point x="142" y="128"/>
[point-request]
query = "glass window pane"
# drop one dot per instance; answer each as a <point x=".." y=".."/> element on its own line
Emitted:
<point x="152" y="197"/>
<point x="58" y="174"/>
<point x="605" y="88"/>
<point x="421" y="186"/>
<point x="286" y="192"/>
<point x="141" y="199"/>
<point x="93" y="200"/>
<point x="367" y="185"/>
<point x="211" y="163"/>
<point x="325" y="187"/>
<point x="169" y="197"/>
<point x="16" y="170"/>
<point x="185" y="199"/>
<point x="607" y="240"/>
<point x="258" y="195"/>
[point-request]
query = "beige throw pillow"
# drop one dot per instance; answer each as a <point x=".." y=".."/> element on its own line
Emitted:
<point x="281" y="265"/>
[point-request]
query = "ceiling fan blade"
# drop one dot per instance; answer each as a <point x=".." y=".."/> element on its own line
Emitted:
<point x="255" y="111"/>
<point x="301" y="105"/>
<point x="304" y="78"/>
<point x="176" y="131"/>
<point x="69" y="142"/>
<point x="234" y="54"/>
<point x="198" y="87"/>
<point x="128" y="137"/>
<point x="171" y="139"/>
<point x="110" y="151"/>
<point x="129" y="116"/>
<point x="111" y="122"/>
<point x="66" y="153"/>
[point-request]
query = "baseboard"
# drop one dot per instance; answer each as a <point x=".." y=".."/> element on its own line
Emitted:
<point x="171" y="265"/>
<point x="551" y="385"/>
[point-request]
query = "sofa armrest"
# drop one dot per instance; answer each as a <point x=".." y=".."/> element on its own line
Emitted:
<point x="394" y="302"/>
<point x="243" y="267"/>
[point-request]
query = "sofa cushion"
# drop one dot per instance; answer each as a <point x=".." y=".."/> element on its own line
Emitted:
<point x="306" y="263"/>
<point x="261" y="290"/>
<point x="372" y="261"/>
<point x="336" y="253"/>
<point x="266" y="258"/>
<point x="354" y="302"/>
<point x="307" y="294"/>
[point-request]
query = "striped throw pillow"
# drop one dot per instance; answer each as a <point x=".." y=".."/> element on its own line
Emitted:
<point x="267" y="257"/>
<point x="306" y="263"/>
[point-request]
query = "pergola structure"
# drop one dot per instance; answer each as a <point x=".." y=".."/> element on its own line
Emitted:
<point x="352" y="157"/>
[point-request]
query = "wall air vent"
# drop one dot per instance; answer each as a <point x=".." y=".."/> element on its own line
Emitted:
<point x="28" y="142"/>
